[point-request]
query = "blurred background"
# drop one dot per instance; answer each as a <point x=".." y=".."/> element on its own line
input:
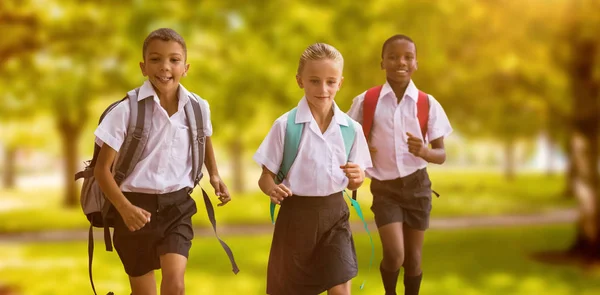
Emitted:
<point x="519" y="80"/>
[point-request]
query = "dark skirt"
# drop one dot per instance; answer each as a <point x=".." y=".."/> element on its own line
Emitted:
<point x="312" y="249"/>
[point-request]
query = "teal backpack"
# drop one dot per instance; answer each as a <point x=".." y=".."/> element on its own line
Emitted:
<point x="293" y="133"/>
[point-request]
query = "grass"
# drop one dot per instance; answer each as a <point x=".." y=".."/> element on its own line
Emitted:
<point x="473" y="262"/>
<point x="462" y="194"/>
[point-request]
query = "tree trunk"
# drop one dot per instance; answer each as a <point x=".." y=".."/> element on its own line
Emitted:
<point x="70" y="134"/>
<point x="236" y="151"/>
<point x="509" y="159"/>
<point x="569" y="191"/>
<point x="9" y="167"/>
<point x="584" y="146"/>
<point x="550" y="145"/>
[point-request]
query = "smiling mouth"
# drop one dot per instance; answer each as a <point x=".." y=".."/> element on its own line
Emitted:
<point x="164" y="79"/>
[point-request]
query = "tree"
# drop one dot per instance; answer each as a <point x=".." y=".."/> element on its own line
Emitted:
<point x="584" y="48"/>
<point x="22" y="40"/>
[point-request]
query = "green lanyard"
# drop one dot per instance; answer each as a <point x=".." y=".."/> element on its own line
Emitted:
<point x="362" y="218"/>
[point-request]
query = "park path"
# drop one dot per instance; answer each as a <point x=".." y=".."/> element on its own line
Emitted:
<point x="553" y="217"/>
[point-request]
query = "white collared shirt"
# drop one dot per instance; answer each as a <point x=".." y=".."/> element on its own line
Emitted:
<point x="388" y="132"/>
<point x="166" y="164"/>
<point x="316" y="170"/>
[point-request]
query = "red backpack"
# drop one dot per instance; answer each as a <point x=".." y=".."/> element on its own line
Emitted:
<point x="370" y="103"/>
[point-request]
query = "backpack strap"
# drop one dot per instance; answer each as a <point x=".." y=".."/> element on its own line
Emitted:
<point x="423" y="112"/>
<point x="348" y="134"/>
<point x="293" y="133"/>
<point x="369" y="105"/>
<point x="140" y="121"/>
<point x="137" y="135"/>
<point x="193" y="112"/>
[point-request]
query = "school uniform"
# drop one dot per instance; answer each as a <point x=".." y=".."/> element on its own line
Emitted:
<point x="312" y="249"/>
<point x="159" y="183"/>
<point x="400" y="183"/>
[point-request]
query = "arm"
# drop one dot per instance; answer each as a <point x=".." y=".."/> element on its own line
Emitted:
<point x="215" y="179"/>
<point x="436" y="154"/>
<point x="133" y="216"/>
<point x="277" y="192"/>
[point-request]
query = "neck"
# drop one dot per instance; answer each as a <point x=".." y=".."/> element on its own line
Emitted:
<point x="399" y="88"/>
<point x="167" y="97"/>
<point x="322" y="115"/>
<point x="169" y="101"/>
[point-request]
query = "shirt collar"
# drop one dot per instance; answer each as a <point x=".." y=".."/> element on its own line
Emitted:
<point x="411" y="91"/>
<point x="148" y="91"/>
<point x="303" y="115"/>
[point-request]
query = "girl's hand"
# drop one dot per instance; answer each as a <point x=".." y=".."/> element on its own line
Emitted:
<point x="278" y="193"/>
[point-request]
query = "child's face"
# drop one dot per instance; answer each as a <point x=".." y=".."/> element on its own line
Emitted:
<point x="164" y="65"/>
<point x="321" y="80"/>
<point x="399" y="61"/>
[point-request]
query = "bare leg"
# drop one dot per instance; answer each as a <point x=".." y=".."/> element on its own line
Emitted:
<point x="413" y="245"/>
<point x="341" y="289"/>
<point x="143" y="285"/>
<point x="392" y="241"/>
<point x="173" y="270"/>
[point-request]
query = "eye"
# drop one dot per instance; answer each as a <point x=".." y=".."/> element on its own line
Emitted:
<point x="314" y="81"/>
<point x="174" y="60"/>
<point x="154" y="59"/>
<point x="331" y="82"/>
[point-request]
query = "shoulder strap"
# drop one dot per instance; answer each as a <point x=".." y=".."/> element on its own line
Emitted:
<point x="423" y="112"/>
<point x="291" y="143"/>
<point x="293" y="133"/>
<point x="369" y="105"/>
<point x="348" y="134"/>
<point x="140" y="120"/>
<point x="193" y="112"/>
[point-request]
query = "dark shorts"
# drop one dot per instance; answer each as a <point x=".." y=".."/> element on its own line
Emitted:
<point x="406" y="200"/>
<point x="169" y="231"/>
<point x="312" y="249"/>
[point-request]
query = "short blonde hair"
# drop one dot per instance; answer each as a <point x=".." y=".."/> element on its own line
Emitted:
<point x="320" y="51"/>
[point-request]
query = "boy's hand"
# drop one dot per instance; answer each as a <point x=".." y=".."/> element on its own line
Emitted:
<point x="354" y="173"/>
<point x="415" y="146"/>
<point x="279" y="192"/>
<point x="134" y="217"/>
<point x="220" y="189"/>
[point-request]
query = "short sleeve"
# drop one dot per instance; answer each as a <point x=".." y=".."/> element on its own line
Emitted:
<point x="270" y="151"/>
<point x="438" y="125"/>
<point x="113" y="128"/>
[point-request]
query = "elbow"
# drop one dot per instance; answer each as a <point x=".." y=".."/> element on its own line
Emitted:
<point x="441" y="160"/>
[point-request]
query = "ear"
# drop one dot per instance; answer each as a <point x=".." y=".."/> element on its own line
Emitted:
<point x="340" y="84"/>
<point x="416" y="65"/>
<point x="299" y="81"/>
<point x="381" y="65"/>
<point x="187" y="68"/>
<point x="143" y="68"/>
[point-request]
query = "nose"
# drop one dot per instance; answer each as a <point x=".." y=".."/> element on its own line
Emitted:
<point x="403" y="62"/>
<point x="164" y="66"/>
